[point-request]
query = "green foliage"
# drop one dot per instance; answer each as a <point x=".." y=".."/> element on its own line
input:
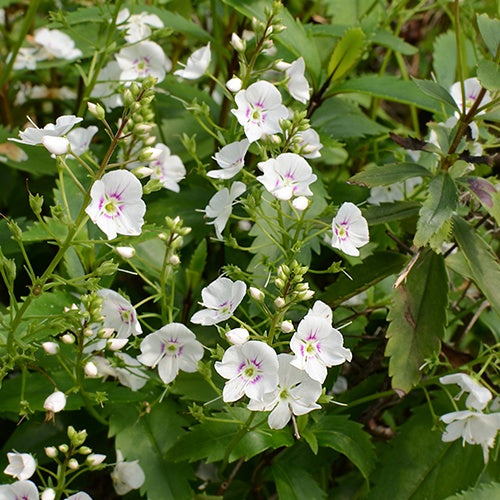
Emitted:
<point x="490" y="29"/>
<point x="488" y="74"/>
<point x="480" y="492"/>
<point x="384" y="175"/>
<point x="346" y="53"/>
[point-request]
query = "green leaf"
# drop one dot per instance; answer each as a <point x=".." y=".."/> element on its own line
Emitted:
<point x="490" y="31"/>
<point x="346" y="53"/>
<point x="435" y="91"/>
<point x="391" y="41"/>
<point x="179" y="23"/>
<point x="373" y="269"/>
<point x="197" y="265"/>
<point x="384" y="175"/>
<point x="147" y="438"/>
<point x="485" y="192"/>
<point x="445" y="58"/>
<point x="294" y="483"/>
<point x="417" y="319"/>
<point x="391" y="88"/>
<point x="481" y="492"/>
<point x="387" y="212"/>
<point x="488" y="73"/>
<point x="437" y="208"/>
<point x="348" y="438"/>
<point x="417" y="464"/>
<point x="481" y="259"/>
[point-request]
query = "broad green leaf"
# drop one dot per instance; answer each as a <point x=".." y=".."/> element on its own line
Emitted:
<point x="437" y="208"/>
<point x="294" y="483"/>
<point x="346" y="53"/>
<point x="179" y="23"/>
<point x="481" y="259"/>
<point x="387" y="212"/>
<point x="391" y="88"/>
<point x="338" y="117"/>
<point x="346" y="437"/>
<point x="417" y="319"/>
<point x="387" y="39"/>
<point x="417" y="464"/>
<point x="147" y="438"/>
<point x="435" y="91"/>
<point x="384" y="175"/>
<point x="444" y="59"/>
<point x="490" y="31"/>
<point x="481" y="492"/>
<point x="373" y="269"/>
<point x="488" y="73"/>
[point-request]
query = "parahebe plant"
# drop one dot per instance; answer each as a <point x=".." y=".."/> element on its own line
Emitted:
<point x="246" y="248"/>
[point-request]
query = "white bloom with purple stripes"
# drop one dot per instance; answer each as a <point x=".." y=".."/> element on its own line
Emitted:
<point x="231" y="159"/>
<point x="119" y="314"/>
<point x="349" y="229"/>
<point x="116" y="205"/>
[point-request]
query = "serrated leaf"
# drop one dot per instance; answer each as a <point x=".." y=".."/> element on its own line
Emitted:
<point x="488" y="73"/>
<point x="294" y="483"/>
<point x="346" y="53"/>
<point x="437" y="92"/>
<point x="490" y="31"/>
<point x="417" y="319"/>
<point x="391" y="41"/>
<point x="384" y="175"/>
<point x="387" y="212"/>
<point x="346" y="437"/>
<point x="373" y="269"/>
<point x="438" y="207"/>
<point x="481" y="259"/>
<point x="445" y="59"/>
<point x="481" y="492"/>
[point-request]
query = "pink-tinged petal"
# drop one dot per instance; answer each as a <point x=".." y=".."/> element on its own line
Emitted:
<point x="168" y="368"/>
<point x="280" y="416"/>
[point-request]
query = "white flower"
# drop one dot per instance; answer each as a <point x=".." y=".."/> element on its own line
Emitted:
<point x="80" y="139"/>
<point x="56" y="145"/>
<point x="221" y="204"/>
<point x="119" y="314"/>
<point x="21" y="465"/>
<point x="34" y="135"/>
<point x="106" y="88"/>
<point x="309" y="142"/>
<point x="141" y="60"/>
<point x="48" y="494"/>
<point x="295" y="394"/>
<point x="26" y="58"/>
<point x="196" y="65"/>
<point x="297" y="83"/>
<point x="55" y="402"/>
<point x="129" y="375"/>
<point x="221" y="298"/>
<point x="116" y="205"/>
<point x="317" y="346"/>
<point x="167" y="168"/>
<point x="350" y="229"/>
<point x="251" y="368"/>
<point x="56" y="44"/>
<point x="479" y="396"/>
<point x="231" y="159"/>
<point x="20" y="490"/>
<point x="81" y="495"/>
<point x="472" y="87"/>
<point x="473" y="427"/>
<point x="287" y="175"/>
<point x="95" y="459"/>
<point x="237" y="336"/>
<point x="126" y="476"/>
<point x="320" y="310"/>
<point x="173" y="347"/>
<point x="259" y="110"/>
<point x="137" y="27"/>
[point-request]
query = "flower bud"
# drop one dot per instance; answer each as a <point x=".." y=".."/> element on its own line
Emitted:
<point x="73" y="464"/>
<point x="116" y="344"/>
<point x="287" y="326"/>
<point x="279" y="283"/>
<point x="90" y="369"/>
<point x="63" y="448"/>
<point x="56" y="145"/>
<point x="48" y="494"/>
<point x="95" y="459"/>
<point x="300" y="203"/>
<point x="55" y="402"/>
<point x="68" y="338"/>
<point x="50" y="348"/>
<point x="77" y="438"/>
<point x="234" y="84"/>
<point x="306" y="295"/>
<point x="279" y="302"/>
<point x="281" y="65"/>
<point x="84" y="450"/>
<point x="150" y="154"/>
<point x="256" y="294"/>
<point x="88" y="332"/>
<point x="105" y="333"/>
<point x="237" y="43"/>
<point x="237" y="336"/>
<point x="126" y="252"/>
<point x="36" y="203"/>
<point x="142" y="172"/>
<point x="97" y="110"/>
<point x="174" y="260"/>
<point x="51" y="451"/>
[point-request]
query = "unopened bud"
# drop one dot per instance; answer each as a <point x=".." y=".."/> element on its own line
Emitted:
<point x="308" y="294"/>
<point x="237" y="336"/>
<point x="77" y="438"/>
<point x="279" y="283"/>
<point x="90" y="369"/>
<point x="73" y="464"/>
<point x="256" y="294"/>
<point x="281" y="65"/>
<point x="275" y="139"/>
<point x="55" y="402"/>
<point x="287" y="326"/>
<point x="51" y="451"/>
<point x="68" y="338"/>
<point x="142" y="172"/>
<point x="88" y="332"/>
<point x="50" y="348"/>
<point x="63" y="448"/>
<point x="116" y="344"/>
<point x="56" y="145"/>
<point x="95" y="459"/>
<point x="237" y="43"/>
<point x="300" y="203"/>
<point x="126" y="252"/>
<point x="234" y="84"/>
<point x="84" y="450"/>
<point x="97" y="110"/>
<point x="48" y="494"/>
<point x="105" y="333"/>
<point x="150" y="154"/>
<point x="279" y="302"/>
<point x="174" y="260"/>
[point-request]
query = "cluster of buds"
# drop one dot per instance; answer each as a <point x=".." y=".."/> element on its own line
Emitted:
<point x="174" y="238"/>
<point x="92" y="308"/>
<point x="291" y="285"/>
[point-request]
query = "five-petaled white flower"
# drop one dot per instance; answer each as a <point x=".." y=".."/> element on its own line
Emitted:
<point x="286" y="176"/>
<point x="137" y="27"/>
<point x="221" y="204"/>
<point x="479" y="395"/>
<point x="196" y="65"/>
<point x="20" y="490"/>
<point x="34" y="135"/>
<point x="55" y="43"/>
<point x="116" y="205"/>
<point x="472" y="87"/>
<point x="141" y="60"/>
<point x="317" y="346"/>
<point x="119" y="314"/>
<point x="221" y="298"/>
<point x="231" y="159"/>
<point x="473" y="427"/>
<point x="296" y="394"/>
<point x="167" y="168"/>
<point x="251" y="368"/>
<point x="21" y="465"/>
<point x="309" y="143"/>
<point x="172" y="348"/>
<point x="350" y="229"/>
<point x="126" y="476"/>
<point x="297" y="83"/>
<point x="259" y="110"/>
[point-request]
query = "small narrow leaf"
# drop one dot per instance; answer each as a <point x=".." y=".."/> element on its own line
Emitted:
<point x="445" y="58"/>
<point x="490" y="31"/>
<point x="481" y="259"/>
<point x="440" y="204"/>
<point x="417" y="319"/>
<point x="384" y="175"/>
<point x="387" y="212"/>
<point x="435" y="91"/>
<point x="387" y="39"/>
<point x="346" y="53"/>
<point x="488" y="73"/>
